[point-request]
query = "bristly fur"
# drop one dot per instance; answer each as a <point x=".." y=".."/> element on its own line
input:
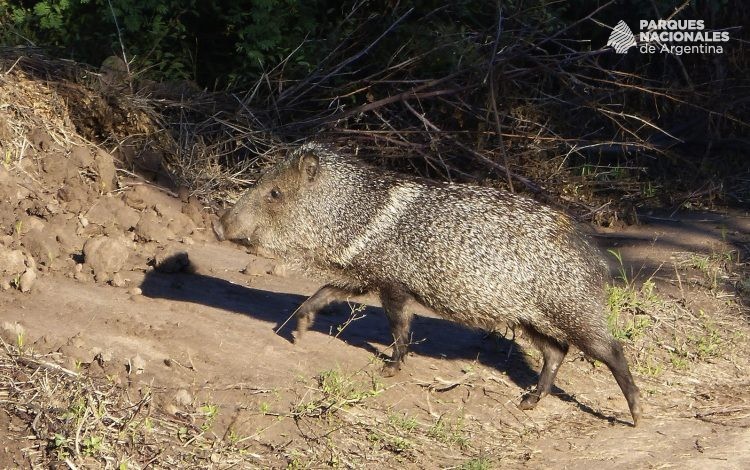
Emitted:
<point x="478" y="256"/>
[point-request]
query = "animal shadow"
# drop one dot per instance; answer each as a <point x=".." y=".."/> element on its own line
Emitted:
<point x="431" y="337"/>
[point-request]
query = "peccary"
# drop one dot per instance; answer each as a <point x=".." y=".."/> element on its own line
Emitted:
<point x="478" y="256"/>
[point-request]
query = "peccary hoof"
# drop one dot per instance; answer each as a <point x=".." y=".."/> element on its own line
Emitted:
<point x="300" y="331"/>
<point x="529" y="402"/>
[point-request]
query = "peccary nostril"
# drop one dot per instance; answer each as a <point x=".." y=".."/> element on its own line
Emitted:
<point x="219" y="230"/>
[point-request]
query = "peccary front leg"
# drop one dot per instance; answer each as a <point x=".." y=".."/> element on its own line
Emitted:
<point x="553" y="352"/>
<point x="325" y="296"/>
<point x="394" y="302"/>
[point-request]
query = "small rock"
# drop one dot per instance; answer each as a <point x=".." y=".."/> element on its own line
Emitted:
<point x="4" y="284"/>
<point x="40" y="138"/>
<point x="187" y="241"/>
<point x="102" y="356"/>
<point x="118" y="281"/>
<point x="79" y="267"/>
<point x="105" y="255"/>
<point x="136" y="365"/>
<point x="30" y="262"/>
<point x="135" y="291"/>
<point x="193" y="210"/>
<point x="28" y="223"/>
<point x="105" y="167"/>
<point x="135" y="199"/>
<point x="102" y="211"/>
<point x="258" y="267"/>
<point x="68" y="239"/>
<point x="42" y="244"/>
<point x="109" y="210"/>
<point x="12" y="262"/>
<point x="27" y="280"/>
<point x="280" y="270"/>
<point x="76" y="341"/>
<point x="127" y="217"/>
<point x="151" y="228"/>
<point x="80" y="157"/>
<point x="11" y="332"/>
<point x="183" y="397"/>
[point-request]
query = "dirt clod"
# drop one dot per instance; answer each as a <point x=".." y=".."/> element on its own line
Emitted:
<point x="259" y="267"/>
<point x="136" y="365"/>
<point x="118" y="281"/>
<point x="42" y="245"/>
<point x="135" y="291"/>
<point x="105" y="255"/>
<point x="105" y="167"/>
<point x="11" y="262"/>
<point x="183" y="397"/>
<point x="12" y="331"/>
<point x="150" y="228"/>
<point x="27" y="280"/>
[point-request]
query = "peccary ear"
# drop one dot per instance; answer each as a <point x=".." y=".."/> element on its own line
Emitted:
<point x="309" y="165"/>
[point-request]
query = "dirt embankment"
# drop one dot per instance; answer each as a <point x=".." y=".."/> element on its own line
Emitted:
<point x="132" y="339"/>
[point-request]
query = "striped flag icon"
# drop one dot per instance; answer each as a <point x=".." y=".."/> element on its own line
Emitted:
<point x="621" y="38"/>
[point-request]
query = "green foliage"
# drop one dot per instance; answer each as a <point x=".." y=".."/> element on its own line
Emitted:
<point x="449" y="432"/>
<point x="337" y="391"/>
<point x="226" y="42"/>
<point x="479" y="463"/>
<point x="403" y="422"/>
<point x="215" y="43"/>
<point x="628" y="317"/>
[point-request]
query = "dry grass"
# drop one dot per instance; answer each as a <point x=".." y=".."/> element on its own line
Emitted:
<point x="523" y="108"/>
<point x="73" y="418"/>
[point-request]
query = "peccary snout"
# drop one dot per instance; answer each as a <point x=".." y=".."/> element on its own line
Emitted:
<point x="230" y="226"/>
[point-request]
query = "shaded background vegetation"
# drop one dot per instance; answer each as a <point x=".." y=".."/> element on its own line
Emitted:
<point x="522" y="94"/>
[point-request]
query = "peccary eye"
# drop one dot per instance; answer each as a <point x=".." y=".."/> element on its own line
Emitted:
<point x="275" y="194"/>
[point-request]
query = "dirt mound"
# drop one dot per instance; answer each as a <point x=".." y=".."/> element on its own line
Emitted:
<point x="66" y="207"/>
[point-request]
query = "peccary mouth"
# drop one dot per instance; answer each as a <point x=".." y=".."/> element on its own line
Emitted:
<point x="218" y="228"/>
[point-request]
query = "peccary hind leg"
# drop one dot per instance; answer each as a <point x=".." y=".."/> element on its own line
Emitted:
<point x="609" y="351"/>
<point x="325" y="296"/>
<point x="394" y="303"/>
<point x="553" y="353"/>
